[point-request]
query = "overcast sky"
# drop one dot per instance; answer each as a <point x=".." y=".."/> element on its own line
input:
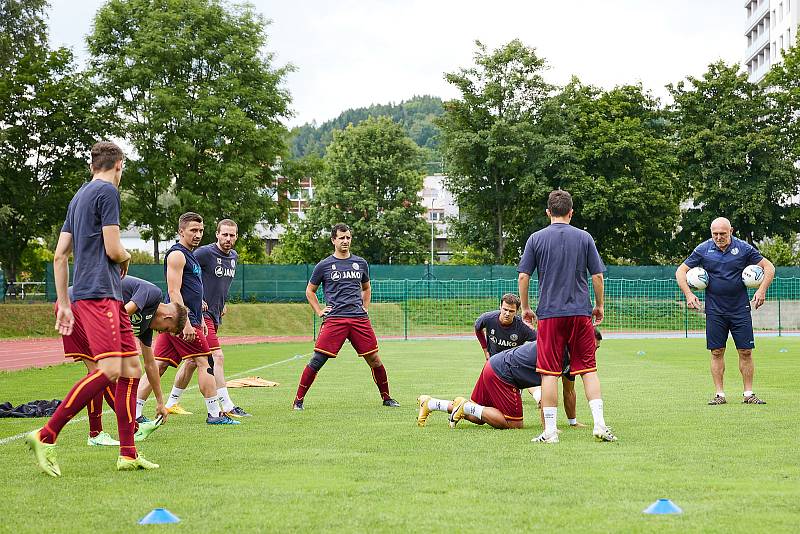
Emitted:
<point x="351" y="53"/>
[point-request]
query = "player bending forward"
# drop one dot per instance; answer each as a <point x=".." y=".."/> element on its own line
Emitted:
<point x="185" y="286"/>
<point x="218" y="263"/>
<point x="496" y="398"/>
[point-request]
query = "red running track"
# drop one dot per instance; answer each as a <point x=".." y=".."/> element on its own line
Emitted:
<point x="24" y="353"/>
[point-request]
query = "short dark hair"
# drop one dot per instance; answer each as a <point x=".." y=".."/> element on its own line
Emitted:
<point x="339" y="227"/>
<point x="559" y="203"/>
<point x="511" y="298"/>
<point x="181" y="316"/>
<point x="105" y="155"/>
<point x="187" y="218"/>
<point x="597" y="335"/>
<point x="227" y="222"/>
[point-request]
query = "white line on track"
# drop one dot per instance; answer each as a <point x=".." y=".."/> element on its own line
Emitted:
<point x="10" y="439"/>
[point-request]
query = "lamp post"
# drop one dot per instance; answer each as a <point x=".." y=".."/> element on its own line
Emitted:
<point x="433" y="223"/>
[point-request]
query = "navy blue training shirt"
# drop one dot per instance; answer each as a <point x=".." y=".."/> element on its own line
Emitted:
<point x="517" y="366"/>
<point x="726" y="294"/>
<point x="192" y="284"/>
<point x="218" y="272"/>
<point x="95" y="205"/>
<point x="147" y="297"/>
<point x="562" y="255"/>
<point x="499" y="337"/>
<point x="341" y="283"/>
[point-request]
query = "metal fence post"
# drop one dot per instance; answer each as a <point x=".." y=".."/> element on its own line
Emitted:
<point x="313" y="325"/>
<point x="779" y="317"/>
<point x="405" y="309"/>
<point x="686" y="320"/>
<point x="244" y="270"/>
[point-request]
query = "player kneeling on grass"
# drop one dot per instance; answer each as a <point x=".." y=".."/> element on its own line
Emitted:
<point x="147" y="313"/>
<point x="496" y="398"/>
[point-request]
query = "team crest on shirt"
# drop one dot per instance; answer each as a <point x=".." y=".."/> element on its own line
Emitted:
<point x="196" y="269"/>
<point x="219" y="261"/>
<point x="355" y="266"/>
<point x="233" y="263"/>
<point x="735" y="251"/>
<point x="492" y="332"/>
<point x="333" y="267"/>
<point x="514" y="337"/>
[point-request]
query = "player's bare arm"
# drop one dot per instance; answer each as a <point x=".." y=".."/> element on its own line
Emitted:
<point x="599" y="297"/>
<point x="114" y="249"/>
<point x="680" y="276"/>
<point x="64" y="318"/>
<point x="175" y="264"/>
<point x="366" y="295"/>
<point x="769" y="274"/>
<point x="523" y="283"/>
<point x="154" y="378"/>
<point x="311" y="296"/>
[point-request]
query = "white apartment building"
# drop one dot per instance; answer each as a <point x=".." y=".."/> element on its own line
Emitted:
<point x="770" y="29"/>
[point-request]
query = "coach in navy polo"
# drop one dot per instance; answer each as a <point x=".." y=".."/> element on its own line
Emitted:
<point x="727" y="305"/>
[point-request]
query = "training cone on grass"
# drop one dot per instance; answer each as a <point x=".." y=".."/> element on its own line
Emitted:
<point x="159" y="516"/>
<point x="663" y="506"/>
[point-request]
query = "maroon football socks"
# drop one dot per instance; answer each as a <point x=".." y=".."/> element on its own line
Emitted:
<point x="381" y="380"/>
<point x="125" y="409"/>
<point x="306" y="379"/>
<point x="78" y="397"/>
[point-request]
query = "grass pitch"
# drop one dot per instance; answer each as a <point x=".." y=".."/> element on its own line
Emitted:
<point x="348" y="464"/>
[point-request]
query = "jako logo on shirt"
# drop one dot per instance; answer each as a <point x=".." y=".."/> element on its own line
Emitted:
<point x="221" y="271"/>
<point x="337" y="275"/>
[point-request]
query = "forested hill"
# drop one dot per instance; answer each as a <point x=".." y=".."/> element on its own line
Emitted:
<point x="415" y="115"/>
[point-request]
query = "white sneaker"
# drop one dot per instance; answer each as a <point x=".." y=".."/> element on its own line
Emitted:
<point x="604" y="433"/>
<point x="546" y="438"/>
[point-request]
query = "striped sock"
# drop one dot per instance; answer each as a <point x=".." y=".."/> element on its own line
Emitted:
<point x="126" y="414"/>
<point x="78" y="397"/>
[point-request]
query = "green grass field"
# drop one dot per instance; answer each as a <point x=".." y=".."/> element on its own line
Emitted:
<point x="348" y="464"/>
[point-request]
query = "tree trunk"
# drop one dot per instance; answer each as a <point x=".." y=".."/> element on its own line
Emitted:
<point x="155" y="246"/>
<point x="500" y="241"/>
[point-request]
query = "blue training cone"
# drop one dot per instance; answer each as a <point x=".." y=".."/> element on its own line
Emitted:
<point x="159" y="516"/>
<point x="663" y="506"/>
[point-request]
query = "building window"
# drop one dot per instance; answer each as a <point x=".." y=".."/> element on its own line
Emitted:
<point x="436" y="216"/>
<point x="780" y="12"/>
<point x="780" y="42"/>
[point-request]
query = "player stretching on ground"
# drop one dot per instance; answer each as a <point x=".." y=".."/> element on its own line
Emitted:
<point x="345" y="283"/>
<point x="496" y="398"/>
<point x="185" y="286"/>
<point x="562" y="255"/>
<point x="218" y="262"/>
<point x="502" y="329"/>
<point x="91" y="233"/>
<point x="147" y="313"/>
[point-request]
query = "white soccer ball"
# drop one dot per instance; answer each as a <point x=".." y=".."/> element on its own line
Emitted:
<point x="752" y="276"/>
<point x="697" y="278"/>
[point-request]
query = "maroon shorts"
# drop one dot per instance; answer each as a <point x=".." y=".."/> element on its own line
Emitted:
<point x="335" y="330"/>
<point x="102" y="329"/>
<point x="174" y="349"/>
<point x="211" y="337"/>
<point x="577" y="334"/>
<point x="491" y="391"/>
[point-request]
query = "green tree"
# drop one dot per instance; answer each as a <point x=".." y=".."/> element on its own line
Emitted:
<point x="201" y="103"/>
<point x="781" y="251"/>
<point x="783" y="81"/>
<point x="373" y="174"/>
<point x="489" y="140"/>
<point x="732" y="155"/>
<point x="48" y="122"/>
<point x="613" y="151"/>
